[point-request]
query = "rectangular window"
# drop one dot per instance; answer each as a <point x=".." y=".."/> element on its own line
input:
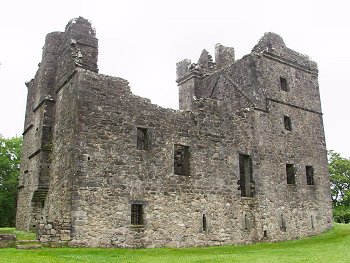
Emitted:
<point x="310" y="175"/>
<point x="136" y="214"/>
<point x="287" y="123"/>
<point x="283" y="83"/>
<point x="290" y="173"/>
<point x="181" y="160"/>
<point x="246" y="184"/>
<point x="142" y="138"/>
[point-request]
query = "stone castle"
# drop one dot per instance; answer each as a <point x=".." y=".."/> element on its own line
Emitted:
<point x="242" y="161"/>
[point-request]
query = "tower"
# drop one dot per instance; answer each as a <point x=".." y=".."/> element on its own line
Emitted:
<point x="63" y="54"/>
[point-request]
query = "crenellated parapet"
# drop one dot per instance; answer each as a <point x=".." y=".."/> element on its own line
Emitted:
<point x="189" y="76"/>
<point x="224" y="57"/>
<point x="250" y="77"/>
<point x="272" y="46"/>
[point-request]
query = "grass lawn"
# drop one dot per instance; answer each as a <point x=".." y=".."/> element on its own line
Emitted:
<point x="21" y="235"/>
<point x="332" y="246"/>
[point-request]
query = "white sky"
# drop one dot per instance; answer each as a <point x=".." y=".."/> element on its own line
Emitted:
<point x="141" y="41"/>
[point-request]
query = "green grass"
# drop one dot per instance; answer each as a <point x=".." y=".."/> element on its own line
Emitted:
<point x="21" y="235"/>
<point x="332" y="246"/>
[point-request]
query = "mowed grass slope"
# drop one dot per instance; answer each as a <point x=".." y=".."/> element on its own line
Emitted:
<point x="332" y="246"/>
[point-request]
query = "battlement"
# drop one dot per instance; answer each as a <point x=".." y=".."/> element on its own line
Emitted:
<point x="249" y="76"/>
<point x="270" y="44"/>
<point x="224" y="57"/>
<point x="273" y="45"/>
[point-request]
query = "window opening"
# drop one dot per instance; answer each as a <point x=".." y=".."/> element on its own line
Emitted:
<point x="287" y="123"/>
<point x="204" y="223"/>
<point x="312" y="222"/>
<point x="142" y="138"/>
<point x="136" y="214"/>
<point x="265" y="233"/>
<point x="290" y="173"/>
<point x="283" y="83"/>
<point x="246" y="183"/>
<point x="310" y="175"/>
<point x="181" y="160"/>
<point x="283" y="224"/>
<point x="245" y="222"/>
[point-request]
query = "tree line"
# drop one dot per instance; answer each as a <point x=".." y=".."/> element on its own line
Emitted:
<point x="339" y="171"/>
<point x="10" y="158"/>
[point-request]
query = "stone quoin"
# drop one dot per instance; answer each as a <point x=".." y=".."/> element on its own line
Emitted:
<point x="243" y="159"/>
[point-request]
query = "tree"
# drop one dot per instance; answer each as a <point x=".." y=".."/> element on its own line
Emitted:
<point x="10" y="153"/>
<point x="339" y="170"/>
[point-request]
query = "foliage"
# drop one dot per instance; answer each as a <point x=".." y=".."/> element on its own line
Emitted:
<point x="341" y="214"/>
<point x="339" y="170"/>
<point x="10" y="153"/>
<point x="331" y="246"/>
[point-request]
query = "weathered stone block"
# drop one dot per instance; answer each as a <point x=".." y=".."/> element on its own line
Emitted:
<point x="7" y="240"/>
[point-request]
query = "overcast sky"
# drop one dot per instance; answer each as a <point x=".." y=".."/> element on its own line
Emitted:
<point x="141" y="41"/>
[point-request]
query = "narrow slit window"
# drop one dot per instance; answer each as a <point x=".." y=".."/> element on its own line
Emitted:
<point x="246" y="184"/>
<point x="283" y="224"/>
<point x="142" y="138"/>
<point x="245" y="222"/>
<point x="312" y="222"/>
<point x="204" y="223"/>
<point x="181" y="160"/>
<point x="310" y="175"/>
<point x="287" y="123"/>
<point x="290" y="173"/>
<point x="136" y="214"/>
<point x="283" y="83"/>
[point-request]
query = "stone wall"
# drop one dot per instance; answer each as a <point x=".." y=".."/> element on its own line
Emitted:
<point x="37" y="137"/>
<point x="127" y="173"/>
<point x="54" y="232"/>
<point x="7" y="240"/>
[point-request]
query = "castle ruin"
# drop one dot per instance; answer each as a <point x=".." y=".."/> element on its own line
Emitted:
<point x="244" y="159"/>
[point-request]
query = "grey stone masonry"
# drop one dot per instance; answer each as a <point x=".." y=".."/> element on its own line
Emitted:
<point x="244" y="159"/>
<point x="7" y="240"/>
